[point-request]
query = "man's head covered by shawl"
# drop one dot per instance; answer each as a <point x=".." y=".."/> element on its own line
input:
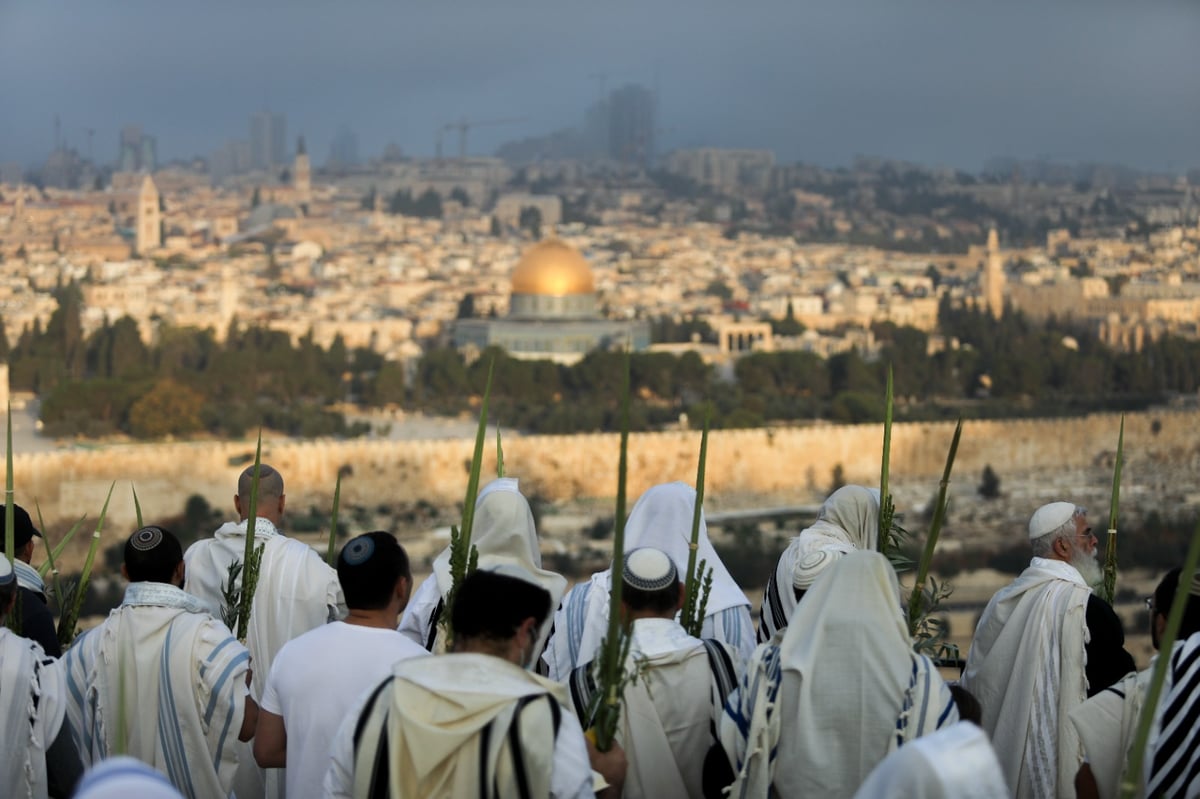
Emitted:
<point x="847" y="521"/>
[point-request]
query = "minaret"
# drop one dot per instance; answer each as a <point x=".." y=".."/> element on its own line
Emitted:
<point x="149" y="218"/>
<point x="993" y="276"/>
<point x="302" y="173"/>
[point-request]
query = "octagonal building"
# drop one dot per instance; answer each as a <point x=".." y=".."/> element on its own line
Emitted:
<point x="552" y="312"/>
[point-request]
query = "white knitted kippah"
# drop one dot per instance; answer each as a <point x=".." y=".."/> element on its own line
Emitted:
<point x="649" y="569"/>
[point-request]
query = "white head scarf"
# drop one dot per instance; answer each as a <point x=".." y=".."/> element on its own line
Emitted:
<point x="957" y="762"/>
<point x="853" y="689"/>
<point x="125" y="778"/>
<point x="504" y="534"/>
<point x="661" y="519"/>
<point x="849" y="520"/>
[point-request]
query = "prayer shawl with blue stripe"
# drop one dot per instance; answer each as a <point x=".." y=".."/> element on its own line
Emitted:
<point x="165" y="680"/>
<point x="820" y="706"/>
<point x="31" y="714"/>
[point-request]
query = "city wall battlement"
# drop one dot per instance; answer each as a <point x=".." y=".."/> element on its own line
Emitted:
<point x="794" y="464"/>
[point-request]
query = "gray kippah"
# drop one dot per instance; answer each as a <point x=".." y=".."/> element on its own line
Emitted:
<point x="649" y="569"/>
<point x="359" y="551"/>
<point x="6" y="571"/>
<point x="146" y="539"/>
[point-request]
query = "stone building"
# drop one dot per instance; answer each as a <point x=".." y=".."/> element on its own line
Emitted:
<point x="552" y="312"/>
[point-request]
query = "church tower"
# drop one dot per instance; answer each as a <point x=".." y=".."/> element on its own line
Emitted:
<point x="993" y="276"/>
<point x="302" y="173"/>
<point x="149" y="218"/>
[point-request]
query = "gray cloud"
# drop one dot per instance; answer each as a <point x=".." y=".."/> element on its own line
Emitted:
<point x="938" y="81"/>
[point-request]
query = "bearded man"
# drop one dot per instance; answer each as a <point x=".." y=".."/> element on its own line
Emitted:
<point x="1044" y="644"/>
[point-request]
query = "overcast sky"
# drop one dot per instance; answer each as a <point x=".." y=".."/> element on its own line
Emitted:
<point x="949" y="82"/>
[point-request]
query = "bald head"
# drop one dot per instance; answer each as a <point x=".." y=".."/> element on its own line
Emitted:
<point x="270" y="493"/>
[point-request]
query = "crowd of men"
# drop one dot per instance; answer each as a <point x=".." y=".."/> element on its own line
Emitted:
<point x="349" y="683"/>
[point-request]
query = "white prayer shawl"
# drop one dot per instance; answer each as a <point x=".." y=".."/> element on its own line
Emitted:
<point x="1027" y="668"/>
<point x="1106" y="725"/>
<point x="297" y="591"/>
<point x="32" y="708"/>
<point x="848" y="521"/>
<point x="957" y="762"/>
<point x="431" y="714"/>
<point x="503" y="534"/>
<point x="662" y="519"/>
<point x="166" y="680"/>
<point x="667" y="716"/>
<point x="821" y="705"/>
<point x="1173" y="753"/>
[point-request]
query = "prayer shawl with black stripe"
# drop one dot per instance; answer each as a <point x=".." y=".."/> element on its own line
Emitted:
<point x="166" y="680"/>
<point x="666" y="726"/>
<point x="1175" y="766"/>
<point x="1106" y="725"/>
<point x="823" y="704"/>
<point x="31" y="712"/>
<point x="460" y="725"/>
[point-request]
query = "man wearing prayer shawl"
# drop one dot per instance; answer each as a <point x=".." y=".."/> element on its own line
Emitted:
<point x="503" y="532"/>
<point x="1173" y="751"/>
<point x="37" y="758"/>
<point x="473" y="723"/>
<point x="37" y="622"/>
<point x="297" y="592"/>
<point x="1043" y="645"/>
<point x="662" y="519"/>
<point x="161" y="679"/>
<point x="302" y="707"/>
<point x="681" y="686"/>
<point x="957" y="762"/>
<point x="1107" y="722"/>
<point x="823" y="704"/>
<point x="848" y="521"/>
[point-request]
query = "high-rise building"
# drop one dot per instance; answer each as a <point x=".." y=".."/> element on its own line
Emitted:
<point x="149" y="218"/>
<point x="302" y="173"/>
<point x="631" y="123"/>
<point x="137" y="152"/>
<point x="344" y="150"/>
<point x="268" y="140"/>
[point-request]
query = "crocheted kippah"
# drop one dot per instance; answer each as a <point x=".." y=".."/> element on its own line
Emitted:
<point x="146" y="539"/>
<point x="649" y="569"/>
<point x="359" y="551"/>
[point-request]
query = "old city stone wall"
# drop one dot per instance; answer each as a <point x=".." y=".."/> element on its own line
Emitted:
<point x="786" y="464"/>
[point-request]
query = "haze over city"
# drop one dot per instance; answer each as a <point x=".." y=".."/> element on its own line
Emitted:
<point x="929" y="81"/>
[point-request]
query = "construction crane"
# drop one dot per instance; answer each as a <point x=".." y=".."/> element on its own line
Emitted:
<point x="462" y="126"/>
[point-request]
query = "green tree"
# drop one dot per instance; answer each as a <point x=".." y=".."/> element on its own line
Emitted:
<point x="169" y="408"/>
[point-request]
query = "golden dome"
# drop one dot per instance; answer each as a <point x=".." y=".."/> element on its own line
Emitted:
<point x="552" y="268"/>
